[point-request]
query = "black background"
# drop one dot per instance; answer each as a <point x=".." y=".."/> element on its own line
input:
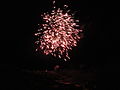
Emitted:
<point x="98" y="48"/>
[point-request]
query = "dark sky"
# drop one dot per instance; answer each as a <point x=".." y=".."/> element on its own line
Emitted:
<point x="96" y="48"/>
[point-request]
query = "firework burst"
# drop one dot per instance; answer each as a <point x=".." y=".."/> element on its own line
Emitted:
<point x="59" y="33"/>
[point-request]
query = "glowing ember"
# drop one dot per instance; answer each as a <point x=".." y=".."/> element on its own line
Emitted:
<point x="58" y="34"/>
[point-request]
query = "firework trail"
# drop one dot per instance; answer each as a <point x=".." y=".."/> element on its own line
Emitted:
<point x="59" y="33"/>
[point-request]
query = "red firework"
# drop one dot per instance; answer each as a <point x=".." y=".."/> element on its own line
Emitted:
<point x="59" y="33"/>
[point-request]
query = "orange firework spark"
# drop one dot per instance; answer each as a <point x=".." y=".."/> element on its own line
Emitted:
<point x="58" y="34"/>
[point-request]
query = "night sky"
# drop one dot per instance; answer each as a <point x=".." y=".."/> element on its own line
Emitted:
<point x="96" y="49"/>
<point x="95" y="18"/>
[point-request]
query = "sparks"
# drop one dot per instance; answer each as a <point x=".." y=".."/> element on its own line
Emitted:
<point x="58" y="34"/>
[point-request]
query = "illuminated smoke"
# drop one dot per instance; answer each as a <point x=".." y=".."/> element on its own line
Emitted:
<point x="59" y="33"/>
